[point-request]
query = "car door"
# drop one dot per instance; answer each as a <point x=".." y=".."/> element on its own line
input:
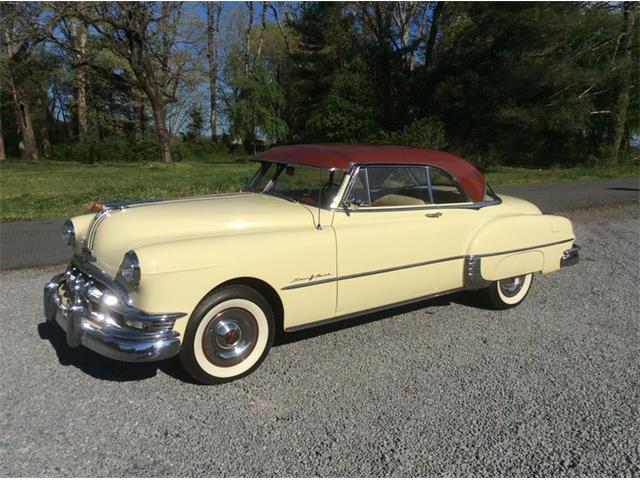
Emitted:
<point x="393" y="243"/>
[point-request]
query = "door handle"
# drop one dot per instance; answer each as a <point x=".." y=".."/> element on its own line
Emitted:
<point x="433" y="215"/>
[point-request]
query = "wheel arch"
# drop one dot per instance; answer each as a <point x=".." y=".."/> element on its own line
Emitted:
<point x="264" y="289"/>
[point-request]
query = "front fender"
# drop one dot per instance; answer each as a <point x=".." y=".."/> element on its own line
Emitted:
<point x="178" y="274"/>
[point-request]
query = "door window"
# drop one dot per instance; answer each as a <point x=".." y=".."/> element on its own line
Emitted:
<point x="444" y="189"/>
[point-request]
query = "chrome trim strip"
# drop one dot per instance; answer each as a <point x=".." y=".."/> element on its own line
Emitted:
<point x="472" y="273"/>
<point x="524" y="248"/>
<point x="372" y="272"/>
<point x="471" y="267"/>
<point x="339" y="318"/>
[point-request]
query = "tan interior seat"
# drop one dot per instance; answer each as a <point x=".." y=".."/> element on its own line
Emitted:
<point x="395" y="200"/>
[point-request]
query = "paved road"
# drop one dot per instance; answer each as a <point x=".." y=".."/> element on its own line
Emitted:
<point x="440" y="389"/>
<point x="32" y="244"/>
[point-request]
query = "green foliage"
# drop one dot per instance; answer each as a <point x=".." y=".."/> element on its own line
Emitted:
<point x="254" y="114"/>
<point x="527" y="82"/>
<point x="196" y="123"/>
<point x="350" y="114"/>
<point x="204" y="151"/>
<point x="112" y="149"/>
<point x="424" y="133"/>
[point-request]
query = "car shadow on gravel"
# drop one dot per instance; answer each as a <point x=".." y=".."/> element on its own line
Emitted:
<point x="104" y="368"/>
<point x="462" y="298"/>
<point x="90" y="362"/>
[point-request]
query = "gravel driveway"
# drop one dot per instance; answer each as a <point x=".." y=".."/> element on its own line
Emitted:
<point x="443" y="388"/>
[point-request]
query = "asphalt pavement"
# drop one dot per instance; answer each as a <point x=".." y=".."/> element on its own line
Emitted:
<point x="442" y="388"/>
<point x="38" y="243"/>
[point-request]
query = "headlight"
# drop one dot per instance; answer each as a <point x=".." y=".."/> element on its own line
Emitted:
<point x="68" y="233"/>
<point x="130" y="269"/>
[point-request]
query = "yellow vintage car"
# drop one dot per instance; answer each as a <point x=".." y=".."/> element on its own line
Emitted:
<point x="320" y="233"/>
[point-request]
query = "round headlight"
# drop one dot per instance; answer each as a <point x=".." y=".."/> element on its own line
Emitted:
<point x="130" y="268"/>
<point x="68" y="233"/>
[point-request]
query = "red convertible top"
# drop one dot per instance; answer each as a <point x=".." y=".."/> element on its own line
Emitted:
<point x="344" y="156"/>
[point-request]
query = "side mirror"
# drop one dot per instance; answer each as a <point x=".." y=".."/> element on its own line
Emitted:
<point x="352" y="204"/>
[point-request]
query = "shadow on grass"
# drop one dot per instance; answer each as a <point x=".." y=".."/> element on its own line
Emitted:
<point x="104" y="368"/>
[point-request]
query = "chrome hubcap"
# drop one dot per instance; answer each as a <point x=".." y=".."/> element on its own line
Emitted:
<point x="230" y="337"/>
<point x="510" y="287"/>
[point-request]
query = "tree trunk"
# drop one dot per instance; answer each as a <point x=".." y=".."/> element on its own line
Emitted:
<point x="81" y="84"/>
<point x="247" y="38"/>
<point x="433" y="33"/>
<point x="622" y="104"/>
<point x="214" y="9"/>
<point x="139" y="125"/>
<point x="161" y="131"/>
<point x="27" y="146"/>
<point x="3" y="156"/>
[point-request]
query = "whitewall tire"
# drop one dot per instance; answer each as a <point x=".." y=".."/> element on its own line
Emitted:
<point x="508" y="292"/>
<point x="228" y="335"/>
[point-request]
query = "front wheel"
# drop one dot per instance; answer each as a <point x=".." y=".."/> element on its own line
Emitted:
<point x="508" y="292"/>
<point x="228" y="335"/>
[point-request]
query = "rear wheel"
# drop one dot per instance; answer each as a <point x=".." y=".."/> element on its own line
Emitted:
<point x="508" y="292"/>
<point x="228" y="335"/>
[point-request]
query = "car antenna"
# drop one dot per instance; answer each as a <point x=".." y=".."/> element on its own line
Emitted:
<point x="319" y="226"/>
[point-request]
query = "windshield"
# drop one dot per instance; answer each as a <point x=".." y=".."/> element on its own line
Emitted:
<point x="298" y="183"/>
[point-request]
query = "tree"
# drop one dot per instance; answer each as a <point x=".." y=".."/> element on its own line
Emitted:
<point x="146" y="35"/>
<point x="19" y="38"/>
<point x="350" y="114"/>
<point x="78" y="36"/>
<point x="526" y="82"/>
<point x="196" y="124"/>
<point x="627" y="66"/>
<point x="3" y="155"/>
<point x="254" y="114"/>
<point x="214" y="11"/>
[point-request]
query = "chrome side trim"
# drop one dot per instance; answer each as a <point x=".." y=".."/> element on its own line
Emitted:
<point x="339" y="318"/>
<point x="372" y="272"/>
<point x="525" y="248"/>
<point x="472" y="273"/>
<point x="471" y="270"/>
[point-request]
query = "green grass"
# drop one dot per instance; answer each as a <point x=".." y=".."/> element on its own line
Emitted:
<point x="39" y="190"/>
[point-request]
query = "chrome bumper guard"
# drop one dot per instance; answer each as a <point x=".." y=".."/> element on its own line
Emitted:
<point x="570" y="257"/>
<point x="97" y="315"/>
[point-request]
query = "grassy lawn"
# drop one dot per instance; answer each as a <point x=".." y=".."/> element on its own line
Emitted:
<point x="39" y="190"/>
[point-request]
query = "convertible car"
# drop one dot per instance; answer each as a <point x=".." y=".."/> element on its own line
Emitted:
<point x="320" y="233"/>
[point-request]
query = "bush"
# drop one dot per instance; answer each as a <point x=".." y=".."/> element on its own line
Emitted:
<point x="126" y="149"/>
<point x="201" y="151"/>
<point x="424" y="133"/>
<point x="113" y="149"/>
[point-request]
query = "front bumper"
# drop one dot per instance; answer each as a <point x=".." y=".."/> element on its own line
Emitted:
<point x="571" y="256"/>
<point x="94" y="312"/>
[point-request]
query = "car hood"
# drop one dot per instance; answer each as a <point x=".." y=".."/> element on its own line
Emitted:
<point x="114" y="232"/>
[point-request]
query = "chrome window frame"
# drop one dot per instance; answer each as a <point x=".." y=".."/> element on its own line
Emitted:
<point x="470" y="205"/>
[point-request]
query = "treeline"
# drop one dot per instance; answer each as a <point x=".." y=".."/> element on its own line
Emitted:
<point x="502" y="83"/>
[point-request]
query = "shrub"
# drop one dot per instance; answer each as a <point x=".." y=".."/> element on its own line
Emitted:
<point x="423" y="133"/>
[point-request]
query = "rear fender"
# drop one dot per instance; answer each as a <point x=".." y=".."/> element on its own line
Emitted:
<point x="519" y="244"/>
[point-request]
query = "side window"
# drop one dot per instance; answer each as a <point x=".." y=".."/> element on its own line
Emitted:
<point x="444" y="189"/>
<point x="398" y="186"/>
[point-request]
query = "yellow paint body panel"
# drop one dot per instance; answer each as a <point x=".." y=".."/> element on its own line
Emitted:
<point x="357" y="260"/>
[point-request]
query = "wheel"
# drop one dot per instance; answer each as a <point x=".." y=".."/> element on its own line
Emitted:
<point x="508" y="292"/>
<point x="228" y="335"/>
